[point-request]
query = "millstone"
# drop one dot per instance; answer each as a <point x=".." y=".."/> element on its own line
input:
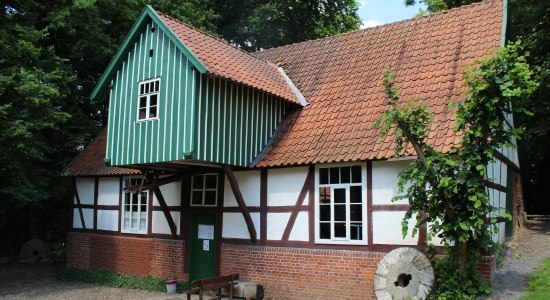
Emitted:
<point x="404" y="273"/>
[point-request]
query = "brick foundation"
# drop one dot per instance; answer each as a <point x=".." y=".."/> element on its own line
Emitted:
<point x="292" y="273"/>
<point x="162" y="258"/>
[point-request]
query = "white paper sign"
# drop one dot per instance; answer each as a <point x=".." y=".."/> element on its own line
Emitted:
<point x="206" y="245"/>
<point x="206" y="232"/>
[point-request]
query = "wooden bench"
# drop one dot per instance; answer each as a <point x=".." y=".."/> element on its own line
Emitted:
<point x="214" y="283"/>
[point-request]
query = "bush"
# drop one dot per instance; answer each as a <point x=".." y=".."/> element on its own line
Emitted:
<point x="450" y="284"/>
<point x="106" y="278"/>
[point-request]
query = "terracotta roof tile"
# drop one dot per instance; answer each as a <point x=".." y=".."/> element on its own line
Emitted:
<point x="90" y="161"/>
<point x="341" y="77"/>
<point x="228" y="62"/>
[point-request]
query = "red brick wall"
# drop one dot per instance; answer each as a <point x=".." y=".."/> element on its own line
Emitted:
<point x="292" y="273"/>
<point x="161" y="258"/>
<point x="487" y="267"/>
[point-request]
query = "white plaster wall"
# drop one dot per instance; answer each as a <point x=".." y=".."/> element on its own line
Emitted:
<point x="300" y="231"/>
<point x="85" y="188"/>
<point x="108" y="191"/>
<point x="249" y="184"/>
<point x="234" y="225"/>
<point x="384" y="181"/>
<point x="284" y="185"/>
<point x="276" y="224"/>
<point x="107" y="220"/>
<point x="160" y="225"/>
<point x="88" y="218"/>
<point x="386" y="228"/>
<point x="76" y="219"/>
<point x="171" y="193"/>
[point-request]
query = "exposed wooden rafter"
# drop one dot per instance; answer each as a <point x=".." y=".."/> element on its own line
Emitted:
<point x="240" y="201"/>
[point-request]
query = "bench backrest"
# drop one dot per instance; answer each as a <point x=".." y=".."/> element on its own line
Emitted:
<point x="215" y="282"/>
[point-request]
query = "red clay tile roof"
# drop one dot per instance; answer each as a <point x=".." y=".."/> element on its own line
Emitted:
<point x="90" y="161"/>
<point x="228" y="62"/>
<point x="341" y="77"/>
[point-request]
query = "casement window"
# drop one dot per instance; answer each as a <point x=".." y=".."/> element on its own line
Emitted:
<point x="204" y="190"/>
<point x="135" y="209"/>
<point x="148" y="99"/>
<point x="340" y="204"/>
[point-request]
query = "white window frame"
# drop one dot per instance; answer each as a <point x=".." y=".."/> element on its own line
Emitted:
<point x="148" y="101"/>
<point x="204" y="190"/>
<point x="127" y="182"/>
<point x="347" y="240"/>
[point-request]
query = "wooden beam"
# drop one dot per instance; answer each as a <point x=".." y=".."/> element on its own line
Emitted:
<point x="506" y="161"/>
<point x="305" y="188"/>
<point x="263" y="206"/>
<point x="78" y="203"/>
<point x="166" y="211"/>
<point x="240" y="201"/>
<point x="494" y="186"/>
<point x="369" y="203"/>
<point x="159" y="182"/>
<point x="96" y="200"/>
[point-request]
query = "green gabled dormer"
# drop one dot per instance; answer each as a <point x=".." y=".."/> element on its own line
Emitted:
<point x="178" y="94"/>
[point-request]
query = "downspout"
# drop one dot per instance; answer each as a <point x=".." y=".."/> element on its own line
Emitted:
<point x="504" y="23"/>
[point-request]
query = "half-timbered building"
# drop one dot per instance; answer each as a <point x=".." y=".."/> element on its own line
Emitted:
<point x="267" y="164"/>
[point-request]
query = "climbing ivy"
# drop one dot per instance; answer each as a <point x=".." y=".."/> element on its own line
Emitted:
<point x="447" y="190"/>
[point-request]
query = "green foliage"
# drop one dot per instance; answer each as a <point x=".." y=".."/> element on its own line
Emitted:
<point x="106" y="278"/>
<point x="450" y="284"/>
<point x="447" y="189"/>
<point x="539" y="283"/>
<point x="439" y="5"/>
<point x="261" y="24"/>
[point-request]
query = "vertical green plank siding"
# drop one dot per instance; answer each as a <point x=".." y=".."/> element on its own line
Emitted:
<point x="234" y="122"/>
<point x="171" y="135"/>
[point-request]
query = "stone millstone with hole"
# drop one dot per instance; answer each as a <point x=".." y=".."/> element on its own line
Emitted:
<point x="404" y="273"/>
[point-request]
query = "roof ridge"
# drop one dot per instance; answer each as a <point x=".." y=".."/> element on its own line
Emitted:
<point x="425" y="16"/>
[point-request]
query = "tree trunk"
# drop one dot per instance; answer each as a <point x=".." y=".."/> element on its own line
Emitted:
<point x="461" y="256"/>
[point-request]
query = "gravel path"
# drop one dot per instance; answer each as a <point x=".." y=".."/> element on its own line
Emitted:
<point x="523" y="256"/>
<point x="21" y="281"/>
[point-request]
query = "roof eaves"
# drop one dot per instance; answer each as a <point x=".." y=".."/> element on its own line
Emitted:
<point x="148" y="12"/>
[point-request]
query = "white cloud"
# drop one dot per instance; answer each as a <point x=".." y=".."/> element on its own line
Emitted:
<point x="370" y="23"/>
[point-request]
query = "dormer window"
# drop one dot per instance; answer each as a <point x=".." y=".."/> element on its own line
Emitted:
<point x="148" y="99"/>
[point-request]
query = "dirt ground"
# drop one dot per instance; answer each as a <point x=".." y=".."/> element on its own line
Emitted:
<point x="523" y="256"/>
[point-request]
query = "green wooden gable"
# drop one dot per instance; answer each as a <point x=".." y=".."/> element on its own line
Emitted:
<point x="194" y="116"/>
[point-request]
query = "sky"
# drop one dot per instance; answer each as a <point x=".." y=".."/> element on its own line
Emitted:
<point x="378" y="12"/>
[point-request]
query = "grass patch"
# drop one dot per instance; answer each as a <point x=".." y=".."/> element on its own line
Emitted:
<point x="538" y="286"/>
<point x="111" y="279"/>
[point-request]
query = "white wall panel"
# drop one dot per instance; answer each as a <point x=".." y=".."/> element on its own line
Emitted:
<point x="171" y="193"/>
<point x="249" y="185"/>
<point x="76" y="219"/>
<point x="300" y="231"/>
<point x="160" y="224"/>
<point x="284" y="185"/>
<point x="85" y="188"/>
<point x="234" y="225"/>
<point x="384" y="180"/>
<point x="276" y="224"/>
<point x="107" y="220"/>
<point x="386" y="228"/>
<point x="108" y="191"/>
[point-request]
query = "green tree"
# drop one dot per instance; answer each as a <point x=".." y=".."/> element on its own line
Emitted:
<point x="447" y="190"/>
<point x="439" y="5"/>
<point x="260" y="24"/>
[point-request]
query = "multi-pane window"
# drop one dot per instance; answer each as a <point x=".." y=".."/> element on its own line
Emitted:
<point x="341" y="204"/>
<point x="148" y="99"/>
<point x="204" y="190"/>
<point x="134" y="210"/>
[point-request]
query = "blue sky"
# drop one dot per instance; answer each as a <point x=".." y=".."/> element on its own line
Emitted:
<point x="378" y="12"/>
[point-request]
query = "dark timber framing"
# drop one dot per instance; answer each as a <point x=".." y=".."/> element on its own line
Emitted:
<point x="79" y="204"/>
<point x="294" y="214"/>
<point x="166" y="211"/>
<point x="240" y="201"/>
<point x="263" y="206"/>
